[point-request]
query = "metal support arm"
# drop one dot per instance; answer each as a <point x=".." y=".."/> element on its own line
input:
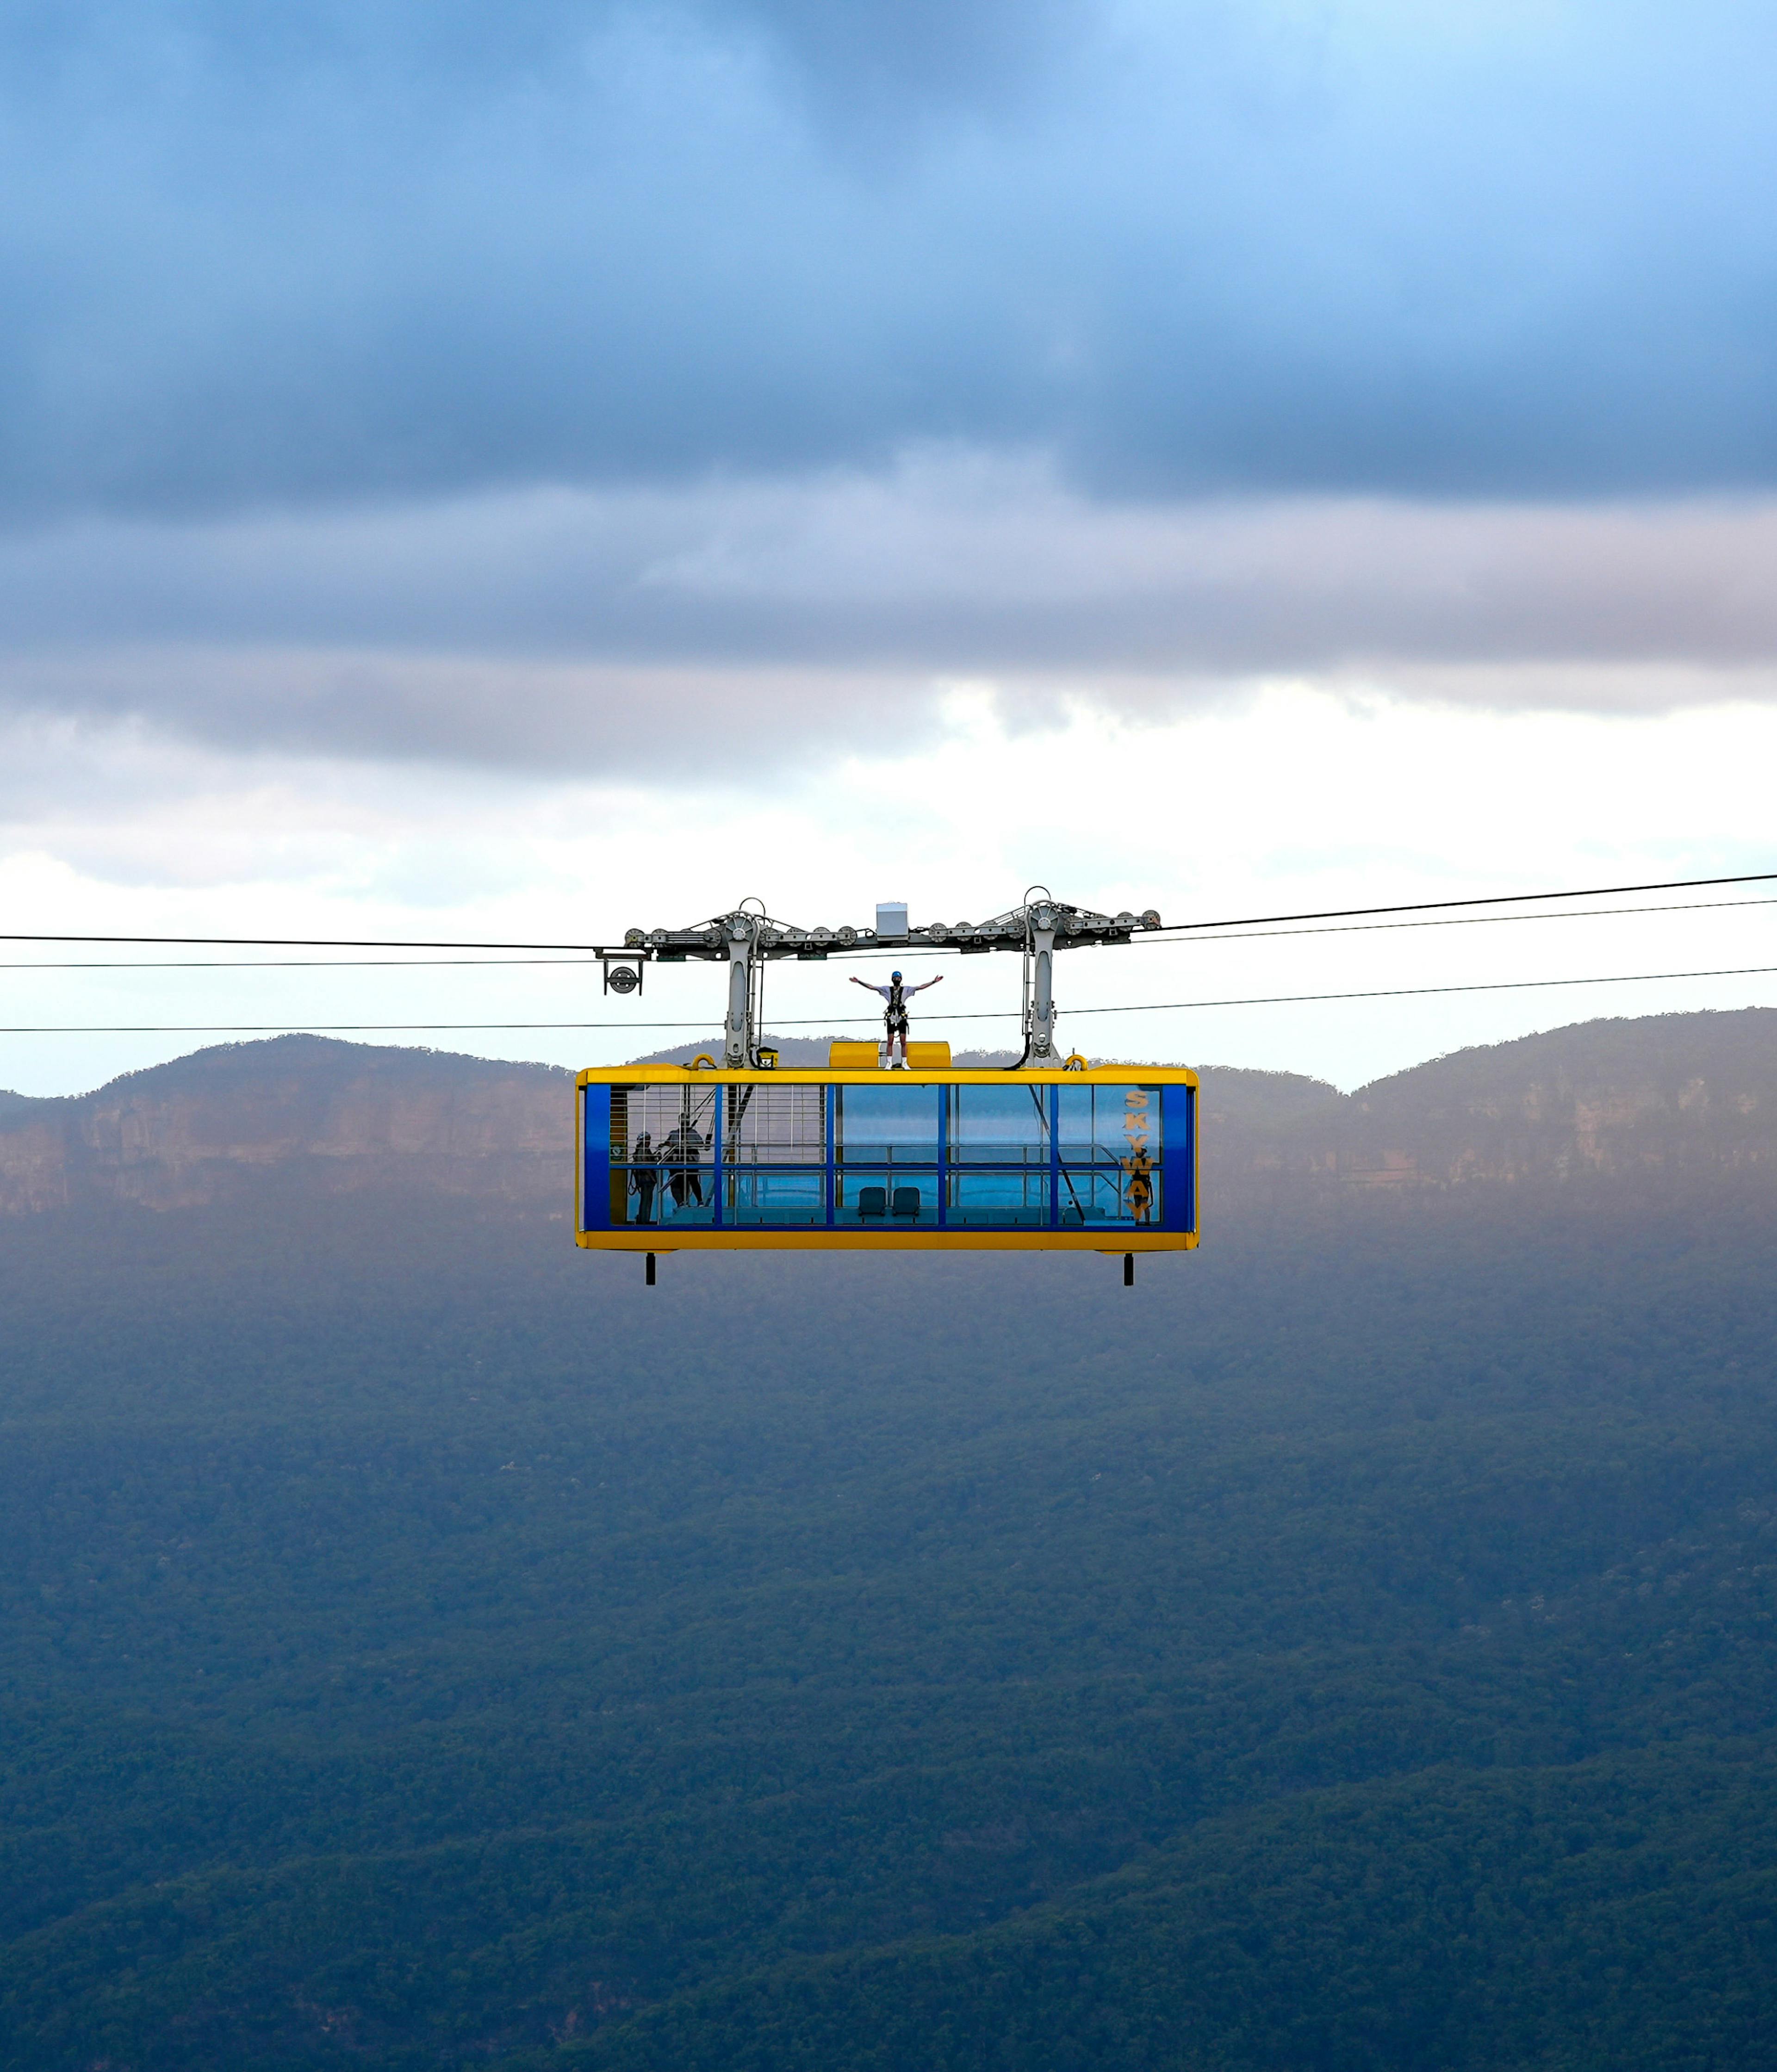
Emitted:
<point x="738" y="1037"/>
<point x="748" y="940"/>
<point x="1040" y="1028"/>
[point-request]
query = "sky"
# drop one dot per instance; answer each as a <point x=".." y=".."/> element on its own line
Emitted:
<point x="512" y="473"/>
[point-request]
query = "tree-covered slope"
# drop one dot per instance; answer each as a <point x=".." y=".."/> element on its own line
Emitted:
<point x="1618" y="1911"/>
<point x="424" y="1644"/>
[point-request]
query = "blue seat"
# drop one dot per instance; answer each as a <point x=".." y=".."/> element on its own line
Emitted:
<point x="873" y="1201"/>
<point x="907" y="1201"/>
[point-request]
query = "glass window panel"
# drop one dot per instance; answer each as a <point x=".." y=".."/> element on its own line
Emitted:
<point x="1003" y="1125"/>
<point x="782" y="1125"/>
<point x="998" y="1197"/>
<point x="660" y="1154"/>
<point x="768" y="1194"/>
<point x="888" y="1125"/>
<point x="1104" y="1126"/>
<point x="1118" y="1197"/>
<point x="890" y="1198"/>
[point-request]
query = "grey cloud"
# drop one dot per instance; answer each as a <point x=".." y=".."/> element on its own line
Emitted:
<point x="950" y="563"/>
<point x="323" y="252"/>
<point x="692" y="729"/>
<point x="591" y="629"/>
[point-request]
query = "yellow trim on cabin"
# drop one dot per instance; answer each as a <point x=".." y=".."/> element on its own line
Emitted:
<point x="824" y="1075"/>
<point x="818" y="1239"/>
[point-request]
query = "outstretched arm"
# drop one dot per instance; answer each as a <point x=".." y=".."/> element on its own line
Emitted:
<point x="927" y="987"/>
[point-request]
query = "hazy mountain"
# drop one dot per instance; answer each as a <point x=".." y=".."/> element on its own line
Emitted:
<point x="1668" y="1095"/>
<point x="423" y="1646"/>
<point x="321" y="1115"/>
<point x="1663" y="1094"/>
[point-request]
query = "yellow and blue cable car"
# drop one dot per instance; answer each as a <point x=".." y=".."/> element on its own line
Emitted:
<point x="1048" y="1156"/>
<point x="853" y="1158"/>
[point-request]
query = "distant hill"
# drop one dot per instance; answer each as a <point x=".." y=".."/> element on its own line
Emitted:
<point x="1668" y="1095"/>
<point x="305" y="1112"/>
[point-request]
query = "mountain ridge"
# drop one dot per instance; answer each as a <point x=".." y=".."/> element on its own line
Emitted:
<point x="323" y="1114"/>
<point x="1658" y="1096"/>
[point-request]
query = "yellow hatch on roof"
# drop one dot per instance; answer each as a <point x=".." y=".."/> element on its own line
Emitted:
<point x="864" y="1057"/>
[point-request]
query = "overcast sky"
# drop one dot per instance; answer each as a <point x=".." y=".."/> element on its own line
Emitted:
<point x="516" y="471"/>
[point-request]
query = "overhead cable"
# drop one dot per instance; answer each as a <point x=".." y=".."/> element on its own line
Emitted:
<point x="1432" y="905"/>
<point x="1382" y="928"/>
<point x="1417" y="992"/>
<point x="570" y="963"/>
<point x="847" y="1020"/>
<point x="306" y="964"/>
<point x="1177" y="928"/>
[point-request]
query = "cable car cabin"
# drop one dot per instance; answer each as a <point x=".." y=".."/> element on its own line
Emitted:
<point x="855" y="1159"/>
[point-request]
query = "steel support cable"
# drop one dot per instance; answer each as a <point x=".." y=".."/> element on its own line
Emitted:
<point x="847" y="1020"/>
<point x="834" y="956"/>
<point x="1432" y="906"/>
<point x="312" y="963"/>
<point x="1450" y="921"/>
<point x="1177" y="928"/>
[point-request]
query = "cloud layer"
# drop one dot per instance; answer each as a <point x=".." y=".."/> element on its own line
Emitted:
<point x="327" y="251"/>
<point x="589" y="629"/>
<point x="509" y="469"/>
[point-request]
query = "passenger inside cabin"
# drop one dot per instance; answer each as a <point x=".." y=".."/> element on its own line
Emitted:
<point x="643" y="1177"/>
<point x="684" y="1153"/>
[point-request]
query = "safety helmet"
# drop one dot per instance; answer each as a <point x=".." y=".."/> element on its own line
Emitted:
<point x="894" y="975"/>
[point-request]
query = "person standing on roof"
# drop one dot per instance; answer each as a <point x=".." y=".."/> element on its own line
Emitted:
<point x="897" y="996"/>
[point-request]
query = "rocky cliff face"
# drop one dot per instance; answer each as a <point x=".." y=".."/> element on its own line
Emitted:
<point x="1662" y="1097"/>
<point x="298" y="1112"/>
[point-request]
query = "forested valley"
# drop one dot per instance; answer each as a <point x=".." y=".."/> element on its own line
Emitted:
<point x="422" y="1645"/>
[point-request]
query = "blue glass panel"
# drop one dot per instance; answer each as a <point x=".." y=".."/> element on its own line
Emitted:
<point x="1180" y="1121"/>
<point x="887" y="1125"/>
<point x="775" y="1194"/>
<point x="595" y="1189"/>
<point x="1115" y="1198"/>
<point x="1003" y="1125"/>
<point x="893" y="1198"/>
<point x="1104" y="1126"/>
<point x="983" y="1197"/>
